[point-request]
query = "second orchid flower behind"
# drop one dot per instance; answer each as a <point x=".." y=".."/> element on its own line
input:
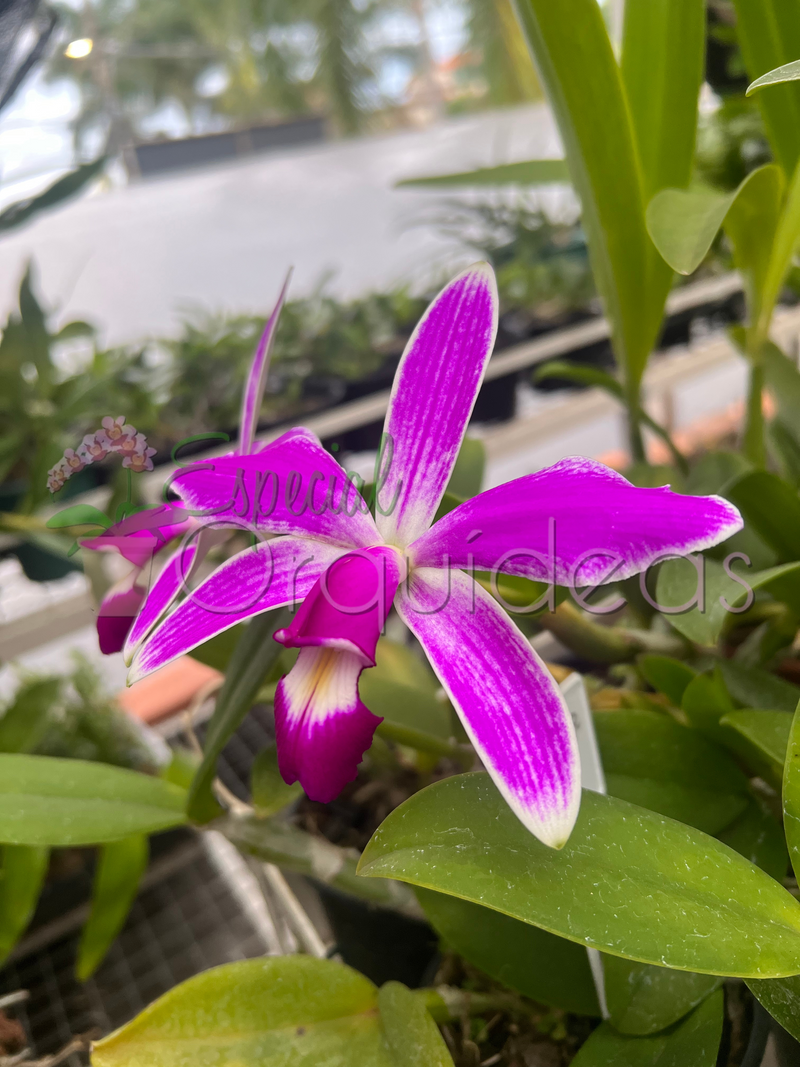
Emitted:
<point x="577" y="519"/>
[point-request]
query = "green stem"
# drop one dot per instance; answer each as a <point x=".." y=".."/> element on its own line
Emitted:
<point x="606" y="644"/>
<point x="130" y="486"/>
<point x="753" y="434"/>
<point x="635" y="439"/>
<point x="423" y="742"/>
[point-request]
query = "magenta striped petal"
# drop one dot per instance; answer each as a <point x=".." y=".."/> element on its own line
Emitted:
<point x="433" y="395"/>
<point x="293" y="486"/>
<point x="117" y="613"/>
<point x="576" y="523"/>
<point x="509" y="703"/>
<point x="257" y="378"/>
<point x="170" y="582"/>
<point x="321" y="727"/>
<point x="141" y="535"/>
<point x="271" y="575"/>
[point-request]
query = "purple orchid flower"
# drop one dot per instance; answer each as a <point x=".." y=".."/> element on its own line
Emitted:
<point x="577" y="518"/>
<point x="139" y="537"/>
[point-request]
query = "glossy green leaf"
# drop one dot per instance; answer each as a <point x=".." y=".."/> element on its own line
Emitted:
<point x="705" y="701"/>
<point x="695" y="1042"/>
<point x="78" y="515"/>
<point x="529" y="172"/>
<point x="772" y="506"/>
<point x="789" y="72"/>
<point x="653" y="761"/>
<point x="781" y="998"/>
<point x="22" y="874"/>
<point x="791" y="792"/>
<point x="252" y="661"/>
<point x="706" y="604"/>
<point x="270" y="793"/>
<point x="785" y="448"/>
<point x="467" y="477"/>
<point x="781" y="255"/>
<point x="666" y="675"/>
<point x="769" y="37"/>
<point x="24" y="722"/>
<point x="758" y="836"/>
<point x="783" y="380"/>
<point x="411" y="1034"/>
<point x="766" y="735"/>
<point x="549" y="969"/>
<point x="643" y="999"/>
<point x="628" y="881"/>
<point x="120" y="866"/>
<point x="268" y="1012"/>
<point x="752" y="687"/>
<point x="577" y="67"/>
<point x="64" y="802"/>
<point x="406" y="706"/>
<point x="714" y="470"/>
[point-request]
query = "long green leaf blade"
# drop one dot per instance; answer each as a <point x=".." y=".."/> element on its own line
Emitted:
<point x="22" y="873"/>
<point x="412" y="1035"/>
<point x="789" y="72"/>
<point x="529" y="172"/>
<point x="628" y="881"/>
<point x="791" y="793"/>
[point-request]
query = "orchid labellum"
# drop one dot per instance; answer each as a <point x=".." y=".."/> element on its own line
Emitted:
<point x="575" y="522"/>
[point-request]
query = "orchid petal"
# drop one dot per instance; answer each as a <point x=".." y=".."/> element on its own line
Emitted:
<point x="117" y="612"/>
<point x="322" y="729"/>
<point x="575" y="523"/>
<point x="169" y="583"/>
<point x="293" y="486"/>
<point x="257" y="378"/>
<point x="140" y="536"/>
<point x="433" y="395"/>
<point x="348" y="606"/>
<point x="271" y="575"/>
<point x="510" y="705"/>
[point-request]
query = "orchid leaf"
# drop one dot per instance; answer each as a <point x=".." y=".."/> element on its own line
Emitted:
<point x="413" y="1037"/>
<point x="549" y="969"/>
<point x="766" y="735"/>
<point x="683" y="223"/>
<point x="218" y="650"/>
<point x="64" y="188"/>
<point x="270" y="794"/>
<point x="781" y="252"/>
<point x="781" y="998"/>
<point x="667" y="675"/>
<point x="768" y="33"/>
<point x="24" y="722"/>
<point x="251" y="663"/>
<point x="752" y="224"/>
<point x="657" y="763"/>
<point x="704" y="613"/>
<point x="695" y="1041"/>
<point x="265" y="1012"/>
<point x="467" y="477"/>
<point x="22" y="873"/>
<point x="791" y="792"/>
<point x="789" y="72"/>
<point x="643" y="999"/>
<point x="758" y="836"/>
<point x="783" y="381"/>
<point x="78" y="515"/>
<point x="71" y="802"/>
<point x="120" y="867"/>
<point x="459" y="836"/>
<point x="752" y="687"/>
<point x="529" y="172"/>
<point x="580" y="75"/>
<point x="785" y="449"/>
<point x="406" y="706"/>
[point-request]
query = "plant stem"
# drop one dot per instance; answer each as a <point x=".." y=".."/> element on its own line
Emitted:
<point x="423" y="742"/>
<point x="635" y="440"/>
<point x="606" y="644"/>
<point x="753" y="434"/>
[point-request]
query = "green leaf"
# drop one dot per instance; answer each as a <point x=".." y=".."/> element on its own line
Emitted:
<point x="577" y="67"/>
<point x="781" y="998"/>
<point x="24" y="722"/>
<point x="789" y="72"/>
<point x="406" y="706"/>
<point x="694" y="1041"/>
<point x="467" y="477"/>
<point x="683" y="223"/>
<point x="791" y="791"/>
<point x="643" y="999"/>
<point x="530" y="172"/>
<point x="255" y="655"/>
<point x="781" y="253"/>
<point x="768" y="33"/>
<point x="78" y="515"/>
<point x="653" y="761"/>
<point x="705" y="701"/>
<point x="217" y="652"/>
<point x="70" y="802"/>
<point x="758" y="836"/>
<point x="783" y="380"/>
<point x="785" y="448"/>
<point x="120" y="867"/>
<point x="628" y="881"/>
<point x="714" y="470"/>
<point x="752" y="687"/>
<point x="766" y="734"/>
<point x="22" y="875"/>
<point x="267" y="1012"/>
<point x="270" y="793"/>
<point x="549" y="969"/>
<point x="71" y="184"/>
<point x="411" y="1034"/>
<point x="679" y="584"/>
<point x="666" y="675"/>
<point x="752" y="223"/>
